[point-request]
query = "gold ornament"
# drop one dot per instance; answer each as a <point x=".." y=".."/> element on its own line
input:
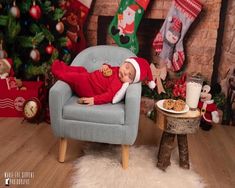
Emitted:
<point x="15" y="11"/>
<point x="35" y="55"/>
<point x="60" y="27"/>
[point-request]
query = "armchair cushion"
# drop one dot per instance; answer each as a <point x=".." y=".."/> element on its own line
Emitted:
<point x="106" y="113"/>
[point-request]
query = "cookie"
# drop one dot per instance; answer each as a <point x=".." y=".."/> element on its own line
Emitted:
<point x="168" y="104"/>
<point x="107" y="72"/>
<point x="179" y="105"/>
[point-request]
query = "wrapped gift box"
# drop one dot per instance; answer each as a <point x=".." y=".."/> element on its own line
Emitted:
<point x="12" y="99"/>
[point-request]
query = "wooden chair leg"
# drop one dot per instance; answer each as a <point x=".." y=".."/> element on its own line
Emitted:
<point x="125" y="156"/>
<point x="62" y="149"/>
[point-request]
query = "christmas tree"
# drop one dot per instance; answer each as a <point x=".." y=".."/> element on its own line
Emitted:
<point x="32" y="35"/>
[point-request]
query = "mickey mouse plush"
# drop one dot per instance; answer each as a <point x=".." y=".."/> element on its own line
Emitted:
<point x="208" y="109"/>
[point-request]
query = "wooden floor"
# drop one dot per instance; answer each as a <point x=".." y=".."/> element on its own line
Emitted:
<point x="28" y="147"/>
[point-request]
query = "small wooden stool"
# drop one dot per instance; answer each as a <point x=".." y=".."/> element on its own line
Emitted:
<point x="176" y="125"/>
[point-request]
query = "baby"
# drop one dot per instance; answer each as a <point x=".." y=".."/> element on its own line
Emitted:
<point x="101" y="86"/>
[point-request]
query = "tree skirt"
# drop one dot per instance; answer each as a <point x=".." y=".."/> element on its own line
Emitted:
<point x="100" y="168"/>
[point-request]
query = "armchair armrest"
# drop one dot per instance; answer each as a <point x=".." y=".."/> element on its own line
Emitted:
<point x="132" y="109"/>
<point x="132" y="104"/>
<point x="58" y="95"/>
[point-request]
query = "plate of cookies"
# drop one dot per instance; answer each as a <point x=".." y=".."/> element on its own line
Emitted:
<point x="173" y="106"/>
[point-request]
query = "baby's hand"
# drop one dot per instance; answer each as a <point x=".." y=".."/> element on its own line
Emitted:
<point x="103" y="68"/>
<point x="87" y="100"/>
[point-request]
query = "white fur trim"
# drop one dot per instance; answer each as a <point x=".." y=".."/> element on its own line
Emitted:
<point x="152" y="84"/>
<point x="6" y="62"/>
<point x="209" y="102"/>
<point x="87" y="3"/>
<point x="170" y="18"/>
<point x="4" y="75"/>
<point x="215" y="116"/>
<point x="137" y="69"/>
<point x="203" y="114"/>
<point x="120" y="93"/>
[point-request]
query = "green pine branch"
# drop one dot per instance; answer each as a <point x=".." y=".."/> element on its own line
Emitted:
<point x="30" y="42"/>
<point x="25" y="41"/>
<point x="34" y="28"/>
<point x="25" y="6"/>
<point x="47" y="34"/>
<point x="38" y="38"/>
<point x="58" y="14"/>
<point x="62" y="41"/>
<point x="33" y="70"/>
<point x="13" y="27"/>
<point x="46" y="6"/>
<point x="21" y="34"/>
<point x="17" y="62"/>
<point x="3" y="20"/>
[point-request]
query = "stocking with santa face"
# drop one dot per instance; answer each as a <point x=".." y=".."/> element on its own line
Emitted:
<point x="168" y="43"/>
<point x="125" y="24"/>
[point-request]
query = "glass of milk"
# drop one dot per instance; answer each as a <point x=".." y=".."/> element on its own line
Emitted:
<point x="193" y="91"/>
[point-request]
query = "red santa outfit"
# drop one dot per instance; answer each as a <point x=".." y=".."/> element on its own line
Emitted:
<point x="209" y="111"/>
<point x="126" y="21"/>
<point x="9" y="63"/>
<point x="129" y="28"/>
<point x="96" y="84"/>
<point x="86" y="84"/>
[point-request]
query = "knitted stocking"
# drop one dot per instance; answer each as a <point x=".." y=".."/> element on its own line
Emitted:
<point x="125" y="24"/>
<point x="75" y="17"/>
<point x="168" y="43"/>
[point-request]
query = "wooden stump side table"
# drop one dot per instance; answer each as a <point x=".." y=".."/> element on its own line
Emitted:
<point x="175" y="125"/>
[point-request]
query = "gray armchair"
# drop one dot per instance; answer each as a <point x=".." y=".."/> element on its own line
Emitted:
<point x="107" y="123"/>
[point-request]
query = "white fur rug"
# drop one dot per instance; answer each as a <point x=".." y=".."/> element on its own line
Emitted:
<point x="100" y="168"/>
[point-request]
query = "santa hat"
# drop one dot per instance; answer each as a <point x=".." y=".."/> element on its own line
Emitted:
<point x="176" y="25"/>
<point x="134" y="7"/>
<point x="143" y="71"/>
<point x="9" y="63"/>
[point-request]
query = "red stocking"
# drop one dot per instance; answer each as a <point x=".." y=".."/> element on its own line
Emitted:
<point x="77" y="11"/>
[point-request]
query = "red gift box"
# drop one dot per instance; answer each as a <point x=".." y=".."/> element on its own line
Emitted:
<point x="11" y="101"/>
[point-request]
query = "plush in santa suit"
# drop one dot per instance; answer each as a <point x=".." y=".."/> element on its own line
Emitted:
<point x="6" y="68"/>
<point x="126" y="21"/>
<point x="208" y="109"/>
<point x="129" y="29"/>
<point x="105" y="86"/>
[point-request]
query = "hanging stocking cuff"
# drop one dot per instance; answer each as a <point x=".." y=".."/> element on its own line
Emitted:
<point x="178" y="60"/>
<point x="158" y="43"/>
<point x="191" y="8"/>
<point x="84" y="7"/>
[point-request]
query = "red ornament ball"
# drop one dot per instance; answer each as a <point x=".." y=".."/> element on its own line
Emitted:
<point x="60" y="27"/>
<point x="49" y="49"/>
<point x="69" y="44"/>
<point x="15" y="11"/>
<point x="35" y="55"/>
<point x="35" y="12"/>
